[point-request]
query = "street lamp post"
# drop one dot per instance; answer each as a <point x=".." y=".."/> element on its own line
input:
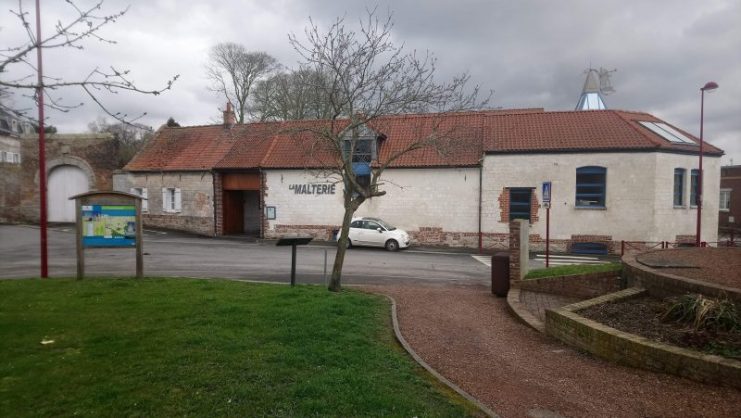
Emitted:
<point x="710" y="85"/>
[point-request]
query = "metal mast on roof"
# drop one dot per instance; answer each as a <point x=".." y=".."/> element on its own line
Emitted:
<point x="596" y="86"/>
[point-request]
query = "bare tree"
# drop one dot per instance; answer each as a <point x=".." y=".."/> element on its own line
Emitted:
<point x="85" y="25"/>
<point x="292" y="95"/>
<point x="129" y="137"/>
<point x="233" y="71"/>
<point x="369" y="77"/>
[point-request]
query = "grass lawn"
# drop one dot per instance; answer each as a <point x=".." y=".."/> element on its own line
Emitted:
<point x="175" y="347"/>
<point x="571" y="270"/>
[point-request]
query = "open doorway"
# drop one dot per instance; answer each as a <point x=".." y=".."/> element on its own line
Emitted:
<point x="242" y="214"/>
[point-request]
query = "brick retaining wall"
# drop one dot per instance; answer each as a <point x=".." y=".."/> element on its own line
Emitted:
<point x="583" y="286"/>
<point x="636" y="351"/>
<point x="663" y="285"/>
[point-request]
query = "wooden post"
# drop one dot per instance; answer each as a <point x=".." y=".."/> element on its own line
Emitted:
<point x="78" y="234"/>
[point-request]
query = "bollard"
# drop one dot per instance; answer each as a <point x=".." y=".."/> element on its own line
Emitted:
<point x="500" y="274"/>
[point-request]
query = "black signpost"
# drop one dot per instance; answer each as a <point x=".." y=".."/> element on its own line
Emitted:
<point x="293" y="242"/>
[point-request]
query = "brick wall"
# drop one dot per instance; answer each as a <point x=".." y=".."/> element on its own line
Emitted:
<point x="583" y="286"/>
<point x="620" y="347"/>
<point x="519" y="253"/>
<point x="660" y="284"/>
<point x="731" y="180"/>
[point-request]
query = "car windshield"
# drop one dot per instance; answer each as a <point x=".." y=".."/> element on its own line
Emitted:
<point x="386" y="225"/>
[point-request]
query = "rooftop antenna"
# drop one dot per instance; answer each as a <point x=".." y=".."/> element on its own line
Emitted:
<point x="605" y="85"/>
<point x="596" y="85"/>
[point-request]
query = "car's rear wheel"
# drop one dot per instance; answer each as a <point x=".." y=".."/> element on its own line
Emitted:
<point x="392" y="245"/>
<point x="349" y="243"/>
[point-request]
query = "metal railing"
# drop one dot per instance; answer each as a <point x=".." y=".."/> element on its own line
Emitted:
<point x="640" y="246"/>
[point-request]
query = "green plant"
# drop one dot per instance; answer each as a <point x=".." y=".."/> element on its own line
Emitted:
<point x="704" y="313"/>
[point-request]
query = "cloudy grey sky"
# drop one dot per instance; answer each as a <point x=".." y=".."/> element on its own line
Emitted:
<point x="531" y="53"/>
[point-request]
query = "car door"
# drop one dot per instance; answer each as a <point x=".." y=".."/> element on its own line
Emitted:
<point x="357" y="229"/>
<point x="372" y="236"/>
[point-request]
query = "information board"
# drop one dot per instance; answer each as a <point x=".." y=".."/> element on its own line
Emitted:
<point x="108" y="226"/>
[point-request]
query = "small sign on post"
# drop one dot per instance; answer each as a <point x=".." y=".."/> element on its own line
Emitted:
<point x="547" y="192"/>
<point x="293" y="242"/>
<point x="105" y="220"/>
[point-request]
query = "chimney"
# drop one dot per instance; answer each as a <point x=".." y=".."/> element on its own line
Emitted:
<point x="229" y="118"/>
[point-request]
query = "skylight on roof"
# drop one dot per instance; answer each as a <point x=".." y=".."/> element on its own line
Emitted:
<point x="667" y="132"/>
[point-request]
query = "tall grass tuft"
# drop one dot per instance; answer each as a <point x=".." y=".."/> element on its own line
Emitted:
<point x="704" y="313"/>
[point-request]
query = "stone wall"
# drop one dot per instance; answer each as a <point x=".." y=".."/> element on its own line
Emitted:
<point x="197" y="198"/>
<point x="95" y="154"/>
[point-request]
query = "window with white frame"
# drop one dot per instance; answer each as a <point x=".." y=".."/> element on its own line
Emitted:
<point x="141" y="192"/>
<point x="17" y="158"/>
<point x="679" y="174"/>
<point x="725" y="200"/>
<point x="3" y="157"/>
<point x="171" y="200"/>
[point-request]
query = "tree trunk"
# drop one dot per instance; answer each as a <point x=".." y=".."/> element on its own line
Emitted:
<point x="339" y="259"/>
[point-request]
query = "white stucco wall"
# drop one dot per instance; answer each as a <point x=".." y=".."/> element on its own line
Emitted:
<point x="639" y="195"/>
<point x="443" y="198"/>
<point x="671" y="220"/>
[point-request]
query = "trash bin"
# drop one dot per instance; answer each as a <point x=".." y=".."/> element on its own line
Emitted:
<point x="500" y="274"/>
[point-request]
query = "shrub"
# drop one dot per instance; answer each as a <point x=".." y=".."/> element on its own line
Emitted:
<point x="704" y="313"/>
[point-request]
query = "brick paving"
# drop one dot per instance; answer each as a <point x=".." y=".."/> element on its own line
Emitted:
<point x="536" y="302"/>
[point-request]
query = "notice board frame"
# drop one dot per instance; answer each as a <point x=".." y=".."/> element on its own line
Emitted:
<point x="107" y="198"/>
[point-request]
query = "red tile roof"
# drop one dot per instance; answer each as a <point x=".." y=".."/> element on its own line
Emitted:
<point x="592" y="130"/>
<point x="459" y="139"/>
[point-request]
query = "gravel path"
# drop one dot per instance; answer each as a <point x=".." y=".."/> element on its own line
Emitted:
<point x="715" y="265"/>
<point x="468" y="335"/>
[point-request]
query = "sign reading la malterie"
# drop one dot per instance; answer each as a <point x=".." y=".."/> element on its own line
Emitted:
<point x="309" y="188"/>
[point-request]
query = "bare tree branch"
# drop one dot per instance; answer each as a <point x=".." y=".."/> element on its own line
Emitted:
<point x="233" y="72"/>
<point x="85" y="25"/>
<point x="366" y="77"/>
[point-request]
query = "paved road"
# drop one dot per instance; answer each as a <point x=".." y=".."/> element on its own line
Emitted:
<point x="174" y="254"/>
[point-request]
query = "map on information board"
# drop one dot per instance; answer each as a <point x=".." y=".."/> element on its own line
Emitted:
<point x="108" y="226"/>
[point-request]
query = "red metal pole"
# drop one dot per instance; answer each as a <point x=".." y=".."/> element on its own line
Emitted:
<point x="42" y="147"/>
<point x="547" y="235"/>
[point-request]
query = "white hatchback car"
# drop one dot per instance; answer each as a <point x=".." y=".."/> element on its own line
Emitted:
<point x="373" y="232"/>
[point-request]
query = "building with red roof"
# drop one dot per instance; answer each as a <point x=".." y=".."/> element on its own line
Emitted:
<point x="615" y="175"/>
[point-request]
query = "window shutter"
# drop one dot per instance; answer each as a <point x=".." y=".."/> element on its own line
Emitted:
<point x="145" y="202"/>
<point x="165" y="199"/>
<point x="178" y="200"/>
